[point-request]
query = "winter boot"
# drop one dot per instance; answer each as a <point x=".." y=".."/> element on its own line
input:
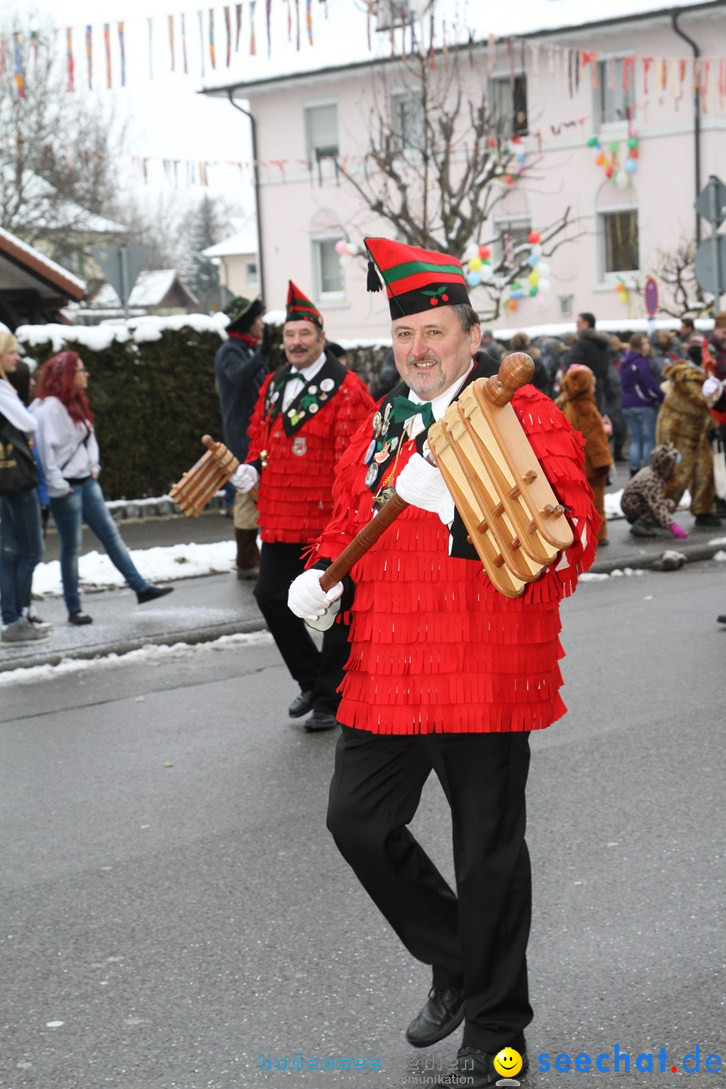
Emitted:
<point x="248" y="556"/>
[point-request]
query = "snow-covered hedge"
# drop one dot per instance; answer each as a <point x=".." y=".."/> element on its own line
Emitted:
<point x="151" y="387"/>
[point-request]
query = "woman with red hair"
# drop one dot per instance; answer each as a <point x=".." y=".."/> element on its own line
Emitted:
<point x="70" y="458"/>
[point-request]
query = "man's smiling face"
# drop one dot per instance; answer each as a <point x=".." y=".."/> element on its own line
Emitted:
<point x="432" y="350"/>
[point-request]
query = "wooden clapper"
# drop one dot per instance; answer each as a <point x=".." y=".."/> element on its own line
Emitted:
<point x="205" y="478"/>
<point x="512" y="516"/>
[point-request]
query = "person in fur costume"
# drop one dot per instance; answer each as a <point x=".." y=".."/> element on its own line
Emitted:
<point x="577" y="401"/>
<point x="685" y="421"/>
<point x="644" y="502"/>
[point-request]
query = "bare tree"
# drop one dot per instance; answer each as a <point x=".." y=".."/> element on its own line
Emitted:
<point x="57" y="151"/>
<point x="441" y="158"/>
<point x="684" y="295"/>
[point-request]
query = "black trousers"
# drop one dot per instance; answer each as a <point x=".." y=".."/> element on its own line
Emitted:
<point x="315" y="671"/>
<point x="477" y="937"/>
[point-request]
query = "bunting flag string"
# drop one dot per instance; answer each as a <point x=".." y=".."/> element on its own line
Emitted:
<point x="228" y="34"/>
<point x="122" y="51"/>
<point x="185" y="61"/>
<point x="18" y="61"/>
<point x="662" y="79"/>
<point x="200" y="19"/>
<point x="89" y="54"/>
<point x="212" y="55"/>
<point x="70" y="65"/>
<point x="107" y="50"/>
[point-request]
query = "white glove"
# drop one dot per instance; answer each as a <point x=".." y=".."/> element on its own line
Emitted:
<point x="422" y="485"/>
<point x="245" y="478"/>
<point x="307" y="599"/>
<point x="711" y="389"/>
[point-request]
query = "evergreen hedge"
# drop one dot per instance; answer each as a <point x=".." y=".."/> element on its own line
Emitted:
<point x="153" y="399"/>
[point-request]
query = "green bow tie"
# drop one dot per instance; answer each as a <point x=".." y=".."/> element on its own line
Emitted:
<point x="403" y="409"/>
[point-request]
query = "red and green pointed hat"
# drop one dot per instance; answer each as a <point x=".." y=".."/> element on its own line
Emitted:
<point x="416" y="280"/>
<point x="299" y="307"/>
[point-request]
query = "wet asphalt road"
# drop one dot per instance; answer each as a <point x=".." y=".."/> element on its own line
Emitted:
<point x="174" y="914"/>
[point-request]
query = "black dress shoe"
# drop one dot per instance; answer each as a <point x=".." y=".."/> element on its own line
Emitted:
<point x="152" y="592"/>
<point x="475" y="1070"/>
<point x="443" y="1012"/>
<point x="708" y="520"/>
<point x="301" y="705"/>
<point x="320" y="720"/>
<point x="79" y="618"/>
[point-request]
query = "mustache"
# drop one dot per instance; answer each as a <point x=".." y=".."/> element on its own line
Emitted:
<point x="424" y="359"/>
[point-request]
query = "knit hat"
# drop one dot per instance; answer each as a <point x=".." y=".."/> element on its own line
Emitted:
<point x="299" y="307"/>
<point x="416" y="280"/>
<point x="242" y="312"/>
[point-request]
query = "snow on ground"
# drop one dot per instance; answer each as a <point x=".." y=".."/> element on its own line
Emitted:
<point x="182" y="561"/>
<point x="149" y="655"/>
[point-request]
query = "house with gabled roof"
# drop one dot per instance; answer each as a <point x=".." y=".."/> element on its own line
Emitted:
<point x="622" y="109"/>
<point x="33" y="289"/>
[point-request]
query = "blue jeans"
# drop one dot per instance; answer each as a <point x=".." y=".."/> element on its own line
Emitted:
<point x="21" y="548"/>
<point x="641" y="425"/>
<point x="86" y="504"/>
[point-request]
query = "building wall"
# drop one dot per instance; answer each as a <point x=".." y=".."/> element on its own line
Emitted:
<point x="299" y="204"/>
<point x="235" y="274"/>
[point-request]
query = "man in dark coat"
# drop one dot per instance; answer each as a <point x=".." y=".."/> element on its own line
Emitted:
<point x="240" y="368"/>
<point x="594" y="350"/>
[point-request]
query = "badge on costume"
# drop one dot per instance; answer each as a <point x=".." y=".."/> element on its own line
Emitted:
<point x="299" y="446"/>
<point x="371" y="475"/>
<point x="370" y="452"/>
<point x="327" y="384"/>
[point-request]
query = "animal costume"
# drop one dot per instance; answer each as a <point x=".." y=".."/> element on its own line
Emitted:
<point x="684" y="420"/>
<point x="644" y="497"/>
<point x="577" y="401"/>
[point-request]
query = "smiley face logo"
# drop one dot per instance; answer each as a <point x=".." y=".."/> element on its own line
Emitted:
<point x="508" y="1062"/>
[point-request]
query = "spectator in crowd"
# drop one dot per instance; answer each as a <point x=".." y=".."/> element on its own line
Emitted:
<point x="387" y="379"/>
<point x="70" y="458"/>
<point x="577" y="401"/>
<point x="21" y="542"/>
<point x="305" y="415"/>
<point x="240" y="366"/>
<point x="491" y="346"/>
<point x="337" y="350"/>
<point x="644" y="502"/>
<point x="663" y="354"/>
<point x="642" y="398"/>
<point x="716" y="367"/>
<point x="520" y="342"/>
<point x="684" y="421"/>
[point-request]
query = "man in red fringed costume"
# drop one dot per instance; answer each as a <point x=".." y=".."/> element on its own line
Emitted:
<point x="444" y="673"/>
<point x="304" y="418"/>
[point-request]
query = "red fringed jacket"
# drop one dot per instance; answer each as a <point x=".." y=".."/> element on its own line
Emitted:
<point x="297" y="451"/>
<point x="434" y="647"/>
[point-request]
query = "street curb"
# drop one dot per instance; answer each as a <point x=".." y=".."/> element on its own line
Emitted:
<point x="123" y="646"/>
<point x="644" y="560"/>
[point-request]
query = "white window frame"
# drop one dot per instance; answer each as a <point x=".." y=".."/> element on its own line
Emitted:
<point x="507" y="125"/>
<point x="317" y="241"/>
<point x="397" y="99"/>
<point x="253" y="276"/>
<point x="605" y="275"/>
<point x="629" y="104"/>
<point x="315" y="150"/>
<point x="521" y="221"/>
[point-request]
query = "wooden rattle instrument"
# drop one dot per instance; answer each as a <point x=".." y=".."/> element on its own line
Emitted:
<point x="513" y="518"/>
<point x="205" y="478"/>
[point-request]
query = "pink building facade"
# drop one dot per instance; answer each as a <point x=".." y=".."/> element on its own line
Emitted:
<point x="627" y="83"/>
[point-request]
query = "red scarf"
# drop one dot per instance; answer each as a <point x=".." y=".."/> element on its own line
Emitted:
<point x="247" y="338"/>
